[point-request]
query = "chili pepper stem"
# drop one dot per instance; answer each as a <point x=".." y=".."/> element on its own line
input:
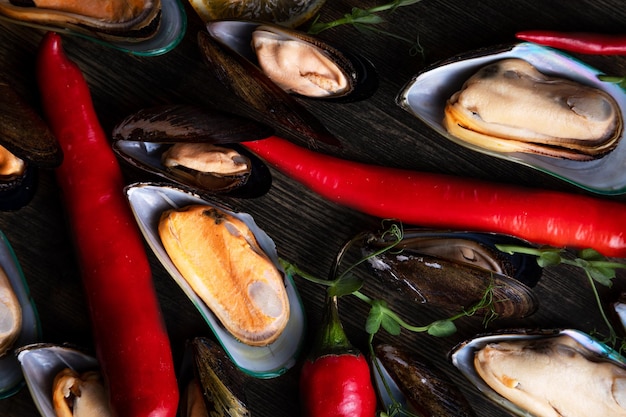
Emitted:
<point x="332" y="338"/>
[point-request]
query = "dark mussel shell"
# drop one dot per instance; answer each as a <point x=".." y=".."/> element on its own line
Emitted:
<point x="453" y="270"/>
<point x="143" y="137"/>
<point x="23" y="135"/>
<point x="220" y="382"/>
<point x="360" y="72"/>
<point x="253" y="87"/>
<point x="416" y="384"/>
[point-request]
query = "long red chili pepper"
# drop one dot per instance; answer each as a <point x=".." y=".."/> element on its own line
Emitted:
<point x="581" y="42"/>
<point x="336" y="380"/>
<point x="131" y="341"/>
<point x="435" y="200"/>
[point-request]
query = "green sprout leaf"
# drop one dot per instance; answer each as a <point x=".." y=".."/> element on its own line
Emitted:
<point x="442" y="328"/>
<point x="621" y="81"/>
<point x="549" y="258"/>
<point x="345" y="285"/>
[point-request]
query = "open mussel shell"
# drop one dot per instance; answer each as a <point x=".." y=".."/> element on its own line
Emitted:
<point x="426" y="94"/>
<point x="41" y="362"/>
<point x="11" y="377"/>
<point x="148" y="201"/>
<point x="26" y="144"/>
<point x="142" y="138"/>
<point x="358" y="76"/>
<point x="453" y="270"/>
<point x="271" y="103"/>
<point x="155" y="31"/>
<point x="463" y="357"/>
<point x="415" y="383"/>
<point x="210" y="382"/>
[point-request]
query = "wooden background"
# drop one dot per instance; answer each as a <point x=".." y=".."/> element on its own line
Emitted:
<point x="307" y="230"/>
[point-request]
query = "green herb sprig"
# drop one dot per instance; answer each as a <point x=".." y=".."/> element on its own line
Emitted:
<point x="598" y="268"/>
<point x="380" y="314"/>
<point x="365" y="20"/>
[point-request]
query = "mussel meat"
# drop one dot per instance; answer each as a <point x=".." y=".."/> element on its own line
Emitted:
<point x="546" y="373"/>
<point x="77" y="394"/>
<point x="454" y="270"/>
<point x="416" y="384"/>
<point x="26" y="144"/>
<point x="148" y="202"/>
<point x="220" y="258"/>
<point x="510" y="106"/>
<point x="127" y="20"/>
<point x="195" y="147"/>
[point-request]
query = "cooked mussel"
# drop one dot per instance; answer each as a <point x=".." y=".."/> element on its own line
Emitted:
<point x="544" y="373"/>
<point x="148" y="202"/>
<point x="510" y="106"/>
<point x="426" y="94"/>
<point x="195" y="147"/>
<point x="297" y="62"/>
<point x="247" y="295"/>
<point x="26" y="144"/>
<point x="19" y="324"/>
<point x="270" y="103"/>
<point x="454" y="270"/>
<point x="56" y="374"/>
<point x="416" y="384"/>
<point x="114" y="20"/>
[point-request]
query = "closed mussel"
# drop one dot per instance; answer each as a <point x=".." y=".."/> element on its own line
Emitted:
<point x="195" y="147"/>
<point x="416" y="384"/>
<point x="455" y="270"/>
<point x="545" y="373"/>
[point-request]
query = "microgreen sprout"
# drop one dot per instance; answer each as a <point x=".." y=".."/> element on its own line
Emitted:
<point x="598" y="268"/>
<point x="364" y="20"/>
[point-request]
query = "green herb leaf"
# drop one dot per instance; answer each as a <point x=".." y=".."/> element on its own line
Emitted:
<point x="549" y="258"/>
<point x="375" y="318"/>
<point x="442" y="328"/>
<point x="345" y="285"/>
<point x="391" y="325"/>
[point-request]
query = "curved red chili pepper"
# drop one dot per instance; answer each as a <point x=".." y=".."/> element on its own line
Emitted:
<point x="581" y="42"/>
<point x="427" y="199"/>
<point x="131" y="341"/>
<point x="336" y="380"/>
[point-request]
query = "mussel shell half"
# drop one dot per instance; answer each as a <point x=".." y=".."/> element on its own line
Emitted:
<point x="417" y="384"/>
<point x="462" y="356"/>
<point x="143" y="137"/>
<point x="147" y="202"/>
<point x="11" y="377"/>
<point x="453" y="270"/>
<point x="425" y="96"/>
<point x="360" y="72"/>
<point x="41" y="362"/>
<point x="271" y="103"/>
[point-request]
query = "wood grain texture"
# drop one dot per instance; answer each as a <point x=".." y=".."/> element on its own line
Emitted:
<point x="307" y="229"/>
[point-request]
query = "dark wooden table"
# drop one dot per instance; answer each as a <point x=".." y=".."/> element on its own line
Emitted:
<point x="307" y="229"/>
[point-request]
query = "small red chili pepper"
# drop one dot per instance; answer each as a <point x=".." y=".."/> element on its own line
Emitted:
<point x="131" y="341"/>
<point x="544" y="217"/>
<point x="581" y="42"/>
<point x="336" y="380"/>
